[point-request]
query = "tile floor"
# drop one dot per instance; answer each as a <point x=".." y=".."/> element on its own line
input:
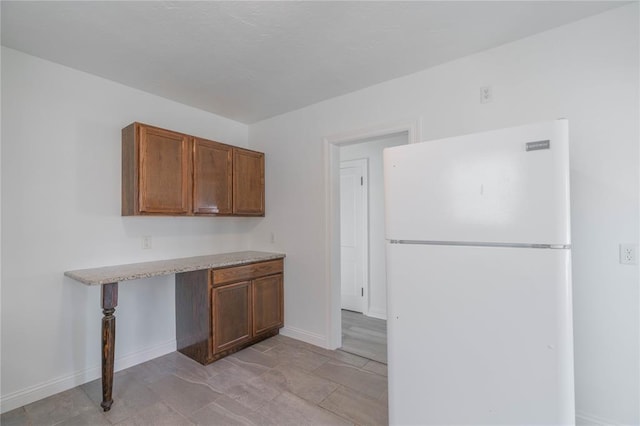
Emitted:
<point x="279" y="381"/>
<point x="364" y="336"/>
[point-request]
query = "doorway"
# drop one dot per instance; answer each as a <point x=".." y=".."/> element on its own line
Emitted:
<point x="363" y="292"/>
<point x="332" y="146"/>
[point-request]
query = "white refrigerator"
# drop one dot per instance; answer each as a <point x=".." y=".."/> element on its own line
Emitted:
<point x="479" y="279"/>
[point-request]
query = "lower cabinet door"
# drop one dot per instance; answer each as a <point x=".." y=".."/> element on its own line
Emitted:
<point x="268" y="312"/>
<point x="231" y="315"/>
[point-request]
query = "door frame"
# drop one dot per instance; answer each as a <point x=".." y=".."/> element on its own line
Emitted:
<point x="332" y="212"/>
<point x="364" y="224"/>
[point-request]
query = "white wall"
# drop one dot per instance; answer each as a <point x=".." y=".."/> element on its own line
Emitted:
<point x="61" y="211"/>
<point x="372" y="151"/>
<point x="586" y="72"/>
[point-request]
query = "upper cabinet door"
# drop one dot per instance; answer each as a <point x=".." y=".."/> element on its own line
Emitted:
<point x="212" y="174"/>
<point x="248" y="182"/>
<point x="164" y="176"/>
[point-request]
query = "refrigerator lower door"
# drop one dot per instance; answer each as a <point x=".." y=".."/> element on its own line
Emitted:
<point x="479" y="335"/>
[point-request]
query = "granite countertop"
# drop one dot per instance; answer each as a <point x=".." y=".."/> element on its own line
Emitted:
<point x="134" y="271"/>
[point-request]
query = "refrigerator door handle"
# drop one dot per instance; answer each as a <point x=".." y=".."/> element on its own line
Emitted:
<point x="483" y="244"/>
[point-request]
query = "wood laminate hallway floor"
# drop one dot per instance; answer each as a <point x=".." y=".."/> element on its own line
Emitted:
<point x="364" y="336"/>
<point x="280" y="381"/>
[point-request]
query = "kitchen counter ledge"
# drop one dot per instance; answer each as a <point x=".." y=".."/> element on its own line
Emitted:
<point x="108" y="277"/>
<point x="134" y="271"/>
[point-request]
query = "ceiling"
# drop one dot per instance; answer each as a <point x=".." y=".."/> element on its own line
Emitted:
<point x="250" y="60"/>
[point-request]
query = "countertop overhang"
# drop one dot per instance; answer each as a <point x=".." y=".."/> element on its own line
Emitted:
<point x="134" y="271"/>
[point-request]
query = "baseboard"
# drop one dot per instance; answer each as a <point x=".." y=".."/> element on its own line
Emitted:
<point x="378" y="315"/>
<point x="588" y="419"/>
<point x="51" y="387"/>
<point x="305" y="336"/>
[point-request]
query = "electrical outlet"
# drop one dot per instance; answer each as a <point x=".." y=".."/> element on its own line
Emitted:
<point x="485" y="95"/>
<point x="629" y="254"/>
<point x="146" y="242"/>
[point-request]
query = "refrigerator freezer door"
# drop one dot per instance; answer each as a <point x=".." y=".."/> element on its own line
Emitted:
<point x="503" y="186"/>
<point x="479" y="335"/>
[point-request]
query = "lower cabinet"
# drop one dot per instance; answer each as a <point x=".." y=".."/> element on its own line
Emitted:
<point x="220" y="311"/>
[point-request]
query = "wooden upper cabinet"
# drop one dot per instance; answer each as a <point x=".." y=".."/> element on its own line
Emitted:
<point x="156" y="172"/>
<point x="212" y="174"/>
<point x="248" y="182"/>
<point x="173" y="174"/>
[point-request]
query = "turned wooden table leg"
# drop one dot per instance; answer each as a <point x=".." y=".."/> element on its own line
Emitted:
<point x="109" y="303"/>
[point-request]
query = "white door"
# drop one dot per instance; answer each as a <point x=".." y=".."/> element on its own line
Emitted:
<point x="353" y="234"/>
